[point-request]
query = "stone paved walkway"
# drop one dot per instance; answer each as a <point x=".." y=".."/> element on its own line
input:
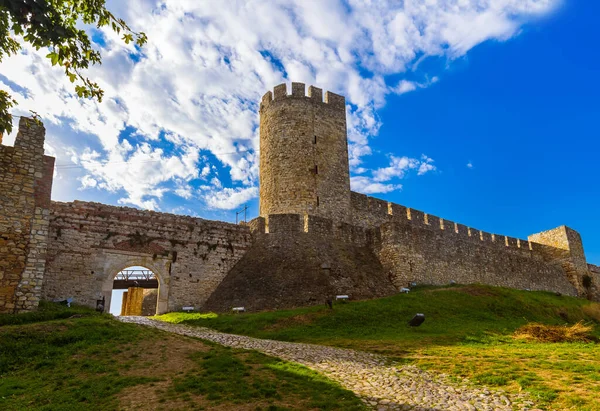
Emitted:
<point x="381" y="385"/>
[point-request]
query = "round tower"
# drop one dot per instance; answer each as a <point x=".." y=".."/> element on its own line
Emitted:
<point x="304" y="153"/>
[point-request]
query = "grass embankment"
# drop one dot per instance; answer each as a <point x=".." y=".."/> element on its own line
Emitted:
<point x="468" y="332"/>
<point x="95" y="362"/>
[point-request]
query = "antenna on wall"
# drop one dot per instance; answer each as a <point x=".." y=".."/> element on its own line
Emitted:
<point x="243" y="210"/>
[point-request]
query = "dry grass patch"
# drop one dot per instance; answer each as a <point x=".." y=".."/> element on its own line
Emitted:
<point x="578" y="332"/>
<point x="296" y="320"/>
<point x="473" y="290"/>
<point x="593" y="311"/>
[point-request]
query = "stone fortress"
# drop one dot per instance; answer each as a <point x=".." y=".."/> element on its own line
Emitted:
<point x="314" y="238"/>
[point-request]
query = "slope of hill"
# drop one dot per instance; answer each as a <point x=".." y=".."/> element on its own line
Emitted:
<point x="468" y="332"/>
<point x="91" y="361"/>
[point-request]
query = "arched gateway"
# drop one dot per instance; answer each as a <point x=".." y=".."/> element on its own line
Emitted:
<point x="116" y="262"/>
<point x="90" y="243"/>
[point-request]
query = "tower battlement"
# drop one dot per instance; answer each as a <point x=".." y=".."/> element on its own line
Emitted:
<point x="299" y="90"/>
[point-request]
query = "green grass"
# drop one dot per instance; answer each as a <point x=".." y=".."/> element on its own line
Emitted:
<point x="239" y="376"/>
<point x="467" y="332"/>
<point x="92" y="361"/>
<point x="47" y="311"/>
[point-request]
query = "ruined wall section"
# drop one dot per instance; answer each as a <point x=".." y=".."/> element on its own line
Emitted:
<point x="302" y="260"/>
<point x="25" y="185"/>
<point x="564" y="245"/>
<point x="304" y="153"/>
<point x="593" y="288"/>
<point x="85" y="240"/>
<point x="423" y="248"/>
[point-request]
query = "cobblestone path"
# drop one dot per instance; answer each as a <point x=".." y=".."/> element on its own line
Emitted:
<point x="381" y="385"/>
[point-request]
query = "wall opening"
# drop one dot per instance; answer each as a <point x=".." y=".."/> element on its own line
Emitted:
<point x="135" y="292"/>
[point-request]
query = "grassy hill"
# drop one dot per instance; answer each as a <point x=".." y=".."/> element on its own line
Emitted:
<point x="468" y="332"/>
<point x="63" y="358"/>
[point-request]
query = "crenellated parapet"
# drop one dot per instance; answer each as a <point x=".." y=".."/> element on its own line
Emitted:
<point x="315" y="94"/>
<point x="373" y="212"/>
<point x="290" y="225"/>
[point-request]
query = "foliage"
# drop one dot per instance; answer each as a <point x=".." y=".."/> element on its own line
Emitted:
<point x="468" y="332"/>
<point x="53" y="25"/>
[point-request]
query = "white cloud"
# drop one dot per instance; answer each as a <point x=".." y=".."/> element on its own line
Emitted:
<point x="196" y="84"/>
<point x="469" y="165"/>
<point x="405" y="86"/>
<point x="380" y="179"/>
<point x="88" y="182"/>
<point x="397" y="168"/>
<point x="230" y="198"/>
<point x="426" y="165"/>
<point x="366" y="185"/>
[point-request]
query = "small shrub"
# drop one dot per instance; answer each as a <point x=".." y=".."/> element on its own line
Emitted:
<point x="592" y="311"/>
<point x="578" y="332"/>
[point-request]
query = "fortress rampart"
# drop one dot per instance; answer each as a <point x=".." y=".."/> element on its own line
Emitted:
<point x="314" y="238"/>
<point x="429" y="250"/>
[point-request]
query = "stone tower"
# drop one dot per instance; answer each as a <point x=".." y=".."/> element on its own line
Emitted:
<point x="304" y="153"/>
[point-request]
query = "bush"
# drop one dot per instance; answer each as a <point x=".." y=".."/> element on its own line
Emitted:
<point x="578" y="332"/>
<point x="593" y="311"/>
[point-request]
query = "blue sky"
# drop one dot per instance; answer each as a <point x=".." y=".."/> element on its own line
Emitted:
<point x="483" y="113"/>
<point x="525" y="114"/>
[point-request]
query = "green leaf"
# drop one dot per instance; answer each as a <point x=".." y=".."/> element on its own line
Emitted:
<point x="53" y="57"/>
<point x="53" y="25"/>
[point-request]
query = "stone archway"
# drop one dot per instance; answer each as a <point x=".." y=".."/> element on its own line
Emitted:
<point x="110" y="262"/>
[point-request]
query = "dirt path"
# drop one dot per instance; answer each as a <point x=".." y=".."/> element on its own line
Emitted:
<point x="381" y="385"/>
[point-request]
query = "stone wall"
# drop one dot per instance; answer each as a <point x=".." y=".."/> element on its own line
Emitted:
<point x="564" y="246"/>
<point x="432" y="255"/>
<point x="553" y="260"/>
<point x="89" y="243"/>
<point x="302" y="260"/>
<point x="25" y="185"/>
<point x="304" y="153"/>
<point x="594" y="286"/>
<point x="149" y="301"/>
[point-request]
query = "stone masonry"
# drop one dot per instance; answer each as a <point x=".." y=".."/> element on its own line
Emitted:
<point x="89" y="243"/>
<point x="25" y="185"/>
<point x="304" y="153"/>
<point x="314" y="238"/>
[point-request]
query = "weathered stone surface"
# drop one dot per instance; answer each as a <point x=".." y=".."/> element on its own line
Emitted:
<point x="304" y="154"/>
<point x="25" y="184"/>
<point x="291" y="269"/>
<point x="91" y="242"/>
<point x="309" y="215"/>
